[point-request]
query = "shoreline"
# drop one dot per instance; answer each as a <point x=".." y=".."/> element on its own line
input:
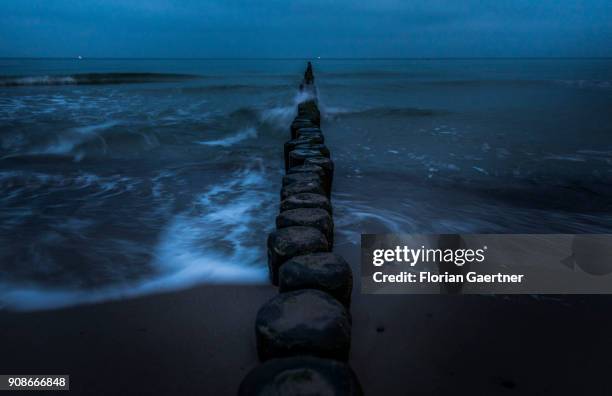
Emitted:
<point x="200" y="341"/>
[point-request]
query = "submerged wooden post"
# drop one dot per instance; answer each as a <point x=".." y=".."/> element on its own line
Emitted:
<point x="303" y="334"/>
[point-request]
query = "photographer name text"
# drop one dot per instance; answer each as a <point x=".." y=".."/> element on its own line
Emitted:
<point x="458" y="257"/>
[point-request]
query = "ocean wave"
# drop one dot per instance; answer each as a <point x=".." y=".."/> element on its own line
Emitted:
<point x="400" y="81"/>
<point x="281" y="116"/>
<point x="92" y="78"/>
<point x="381" y="112"/>
<point x="99" y="138"/>
<point x="29" y="182"/>
<point x="219" y="239"/>
<point x="587" y="84"/>
<point x="375" y="74"/>
<point x="355" y="217"/>
<point x="232" y="88"/>
<point x="67" y="142"/>
<point x="484" y="82"/>
<point x="244" y="134"/>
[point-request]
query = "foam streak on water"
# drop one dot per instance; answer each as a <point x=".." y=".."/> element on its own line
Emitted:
<point x="247" y="133"/>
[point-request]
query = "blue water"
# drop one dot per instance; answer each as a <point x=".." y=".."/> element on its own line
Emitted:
<point x="114" y="185"/>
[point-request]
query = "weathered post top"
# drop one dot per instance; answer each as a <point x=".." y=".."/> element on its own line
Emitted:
<point x="307" y="84"/>
<point x="308" y="75"/>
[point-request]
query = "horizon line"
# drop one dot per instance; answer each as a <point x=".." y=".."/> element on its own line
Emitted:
<point x="316" y="58"/>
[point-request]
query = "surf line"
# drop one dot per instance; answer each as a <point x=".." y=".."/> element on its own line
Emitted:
<point x="306" y="328"/>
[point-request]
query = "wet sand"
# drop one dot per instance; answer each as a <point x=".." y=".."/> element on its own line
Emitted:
<point x="201" y="341"/>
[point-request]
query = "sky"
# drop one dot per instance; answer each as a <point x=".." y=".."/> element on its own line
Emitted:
<point x="285" y="28"/>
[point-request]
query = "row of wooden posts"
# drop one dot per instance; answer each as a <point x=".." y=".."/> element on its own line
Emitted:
<point x="303" y="334"/>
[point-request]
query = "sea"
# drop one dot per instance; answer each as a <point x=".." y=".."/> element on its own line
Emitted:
<point x="124" y="177"/>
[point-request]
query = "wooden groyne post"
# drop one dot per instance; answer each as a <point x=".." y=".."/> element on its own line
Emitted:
<point x="303" y="334"/>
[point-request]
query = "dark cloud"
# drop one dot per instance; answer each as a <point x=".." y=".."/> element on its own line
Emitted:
<point x="383" y="28"/>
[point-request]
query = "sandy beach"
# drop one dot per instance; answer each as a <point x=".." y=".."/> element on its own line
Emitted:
<point x="198" y="341"/>
<point x="201" y="341"/>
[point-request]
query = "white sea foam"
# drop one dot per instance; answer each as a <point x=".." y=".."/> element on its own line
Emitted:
<point x="335" y="111"/>
<point x="247" y="133"/>
<point x="281" y="116"/>
<point x="571" y="158"/>
<point x="353" y="217"/>
<point x="39" y="80"/>
<point x="481" y="170"/>
<point x="216" y="241"/>
<point x="67" y="141"/>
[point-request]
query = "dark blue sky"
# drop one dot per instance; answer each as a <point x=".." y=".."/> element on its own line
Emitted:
<point x="284" y="28"/>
